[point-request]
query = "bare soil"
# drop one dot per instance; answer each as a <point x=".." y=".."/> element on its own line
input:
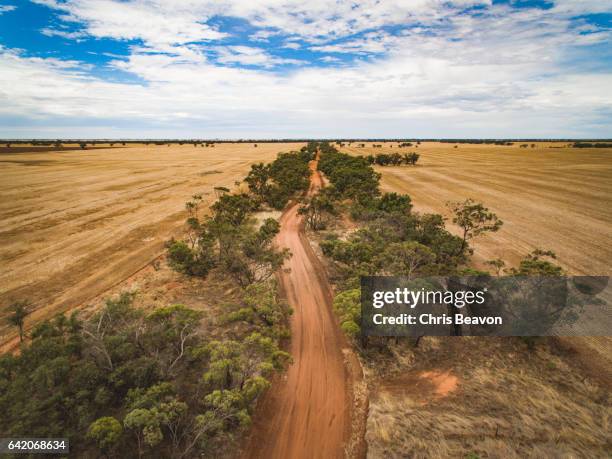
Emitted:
<point x="306" y="413"/>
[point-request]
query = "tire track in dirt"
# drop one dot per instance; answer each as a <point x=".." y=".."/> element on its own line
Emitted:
<point x="307" y="412"/>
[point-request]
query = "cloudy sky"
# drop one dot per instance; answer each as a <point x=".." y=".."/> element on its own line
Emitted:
<point x="297" y="68"/>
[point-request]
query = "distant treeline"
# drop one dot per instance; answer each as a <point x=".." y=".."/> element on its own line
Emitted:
<point x="51" y="142"/>
<point x="481" y="141"/>
<point x="394" y="159"/>
<point x="592" y="145"/>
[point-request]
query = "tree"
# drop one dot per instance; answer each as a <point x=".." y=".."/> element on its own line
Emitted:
<point x="535" y="264"/>
<point x="193" y="261"/>
<point x="193" y="221"/>
<point x="249" y="256"/>
<point x="110" y="331"/>
<point x="172" y="417"/>
<point x="316" y="209"/>
<point x="411" y="158"/>
<point x="106" y="432"/>
<point x="169" y="333"/>
<point x="17" y="318"/>
<point x="536" y="297"/>
<point x="257" y="180"/>
<point x="498" y="264"/>
<point x="83" y="145"/>
<point x="394" y="203"/>
<point x="350" y="176"/>
<point x="233" y="208"/>
<point x="474" y="219"/>
<point x="242" y="366"/>
<point x="408" y="258"/>
<point x="146" y="427"/>
<point x="347" y="305"/>
<point x="225" y="409"/>
<point x="261" y="301"/>
<point x="164" y="409"/>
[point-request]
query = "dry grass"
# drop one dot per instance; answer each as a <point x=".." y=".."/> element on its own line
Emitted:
<point x="550" y="197"/>
<point x="558" y="199"/>
<point x="75" y="223"/>
<point x="508" y="403"/>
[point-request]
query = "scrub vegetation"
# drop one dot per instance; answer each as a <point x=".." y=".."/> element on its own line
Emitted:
<point x="172" y="380"/>
<point x="165" y="381"/>
<point x="228" y="238"/>
<point x="391" y="239"/>
<point x="440" y="396"/>
<point x="138" y="383"/>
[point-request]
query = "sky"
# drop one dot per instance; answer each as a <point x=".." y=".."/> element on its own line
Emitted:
<point x="305" y="69"/>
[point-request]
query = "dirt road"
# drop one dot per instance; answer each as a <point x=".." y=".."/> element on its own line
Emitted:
<point x="307" y="413"/>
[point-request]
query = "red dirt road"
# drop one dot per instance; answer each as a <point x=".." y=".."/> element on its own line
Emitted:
<point x="306" y="414"/>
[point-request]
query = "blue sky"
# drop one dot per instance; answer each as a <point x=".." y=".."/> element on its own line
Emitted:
<point x="323" y="68"/>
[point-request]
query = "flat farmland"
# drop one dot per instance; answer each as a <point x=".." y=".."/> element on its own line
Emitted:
<point x="550" y="197"/>
<point x="75" y="223"/>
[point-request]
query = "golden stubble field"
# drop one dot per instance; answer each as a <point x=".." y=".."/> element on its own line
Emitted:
<point x="75" y="223"/>
<point x="552" y="198"/>
<point x="554" y="402"/>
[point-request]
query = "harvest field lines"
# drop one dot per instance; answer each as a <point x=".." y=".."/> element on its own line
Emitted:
<point x="79" y="226"/>
<point x="550" y="198"/>
<point x="75" y="223"/>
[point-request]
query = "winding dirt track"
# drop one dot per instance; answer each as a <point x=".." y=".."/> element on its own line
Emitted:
<point x="307" y="413"/>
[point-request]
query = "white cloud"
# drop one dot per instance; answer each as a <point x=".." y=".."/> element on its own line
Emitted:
<point x="292" y="45"/>
<point x="329" y="59"/>
<point x="184" y="21"/>
<point x="264" y="35"/>
<point x="499" y="73"/>
<point x="75" y="35"/>
<point x="582" y="6"/>
<point x="155" y="23"/>
<point x="7" y="8"/>
<point x="374" y="42"/>
<point x="248" y="55"/>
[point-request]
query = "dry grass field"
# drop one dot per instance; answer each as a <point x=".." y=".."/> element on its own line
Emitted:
<point x="75" y="223"/>
<point x="78" y="226"/>
<point x="446" y="400"/>
<point x="549" y="197"/>
<point x="488" y="398"/>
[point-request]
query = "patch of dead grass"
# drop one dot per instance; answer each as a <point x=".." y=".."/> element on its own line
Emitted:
<point x="490" y="398"/>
